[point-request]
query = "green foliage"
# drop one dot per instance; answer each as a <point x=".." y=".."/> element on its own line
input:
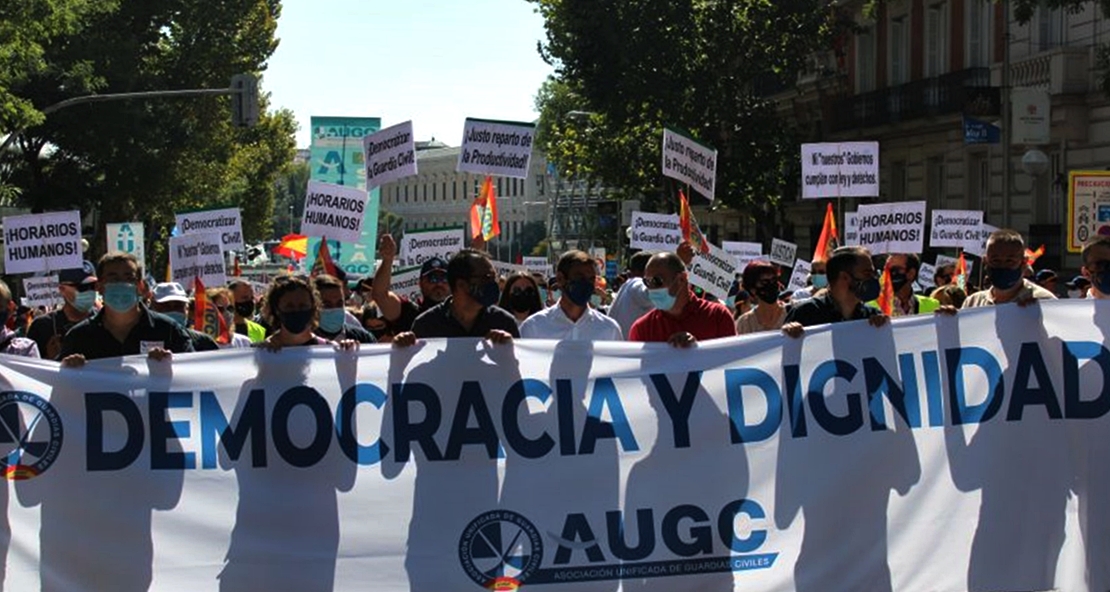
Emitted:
<point x="637" y="66"/>
<point x="289" y="192"/>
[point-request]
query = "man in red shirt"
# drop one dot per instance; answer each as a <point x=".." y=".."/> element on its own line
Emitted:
<point x="679" y="318"/>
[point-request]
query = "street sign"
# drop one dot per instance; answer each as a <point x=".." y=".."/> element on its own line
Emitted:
<point x="128" y="238"/>
<point x="1088" y="207"/>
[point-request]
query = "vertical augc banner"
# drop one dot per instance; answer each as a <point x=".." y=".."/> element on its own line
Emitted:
<point x="932" y="454"/>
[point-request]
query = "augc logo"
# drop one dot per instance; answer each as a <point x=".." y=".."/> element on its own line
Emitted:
<point x="500" y="549"/>
<point x="30" y="435"/>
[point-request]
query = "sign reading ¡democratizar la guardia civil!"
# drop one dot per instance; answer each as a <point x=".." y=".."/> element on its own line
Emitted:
<point x="390" y="155"/>
<point x="501" y="148"/>
<point x="228" y="222"/>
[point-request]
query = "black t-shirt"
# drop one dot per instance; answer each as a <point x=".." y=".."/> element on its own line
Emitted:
<point x="439" y="322"/>
<point x="91" y="339"/>
<point x="202" y="341"/>
<point x="348" y="332"/>
<point x="44" y="328"/>
<point x="409" y="312"/>
<point x="820" y="310"/>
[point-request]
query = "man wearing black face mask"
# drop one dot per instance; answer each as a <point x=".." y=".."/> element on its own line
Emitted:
<point x="903" y="273"/>
<point x="470" y="310"/>
<point x="571" y="317"/>
<point x="1005" y="262"/>
<point x="852" y="282"/>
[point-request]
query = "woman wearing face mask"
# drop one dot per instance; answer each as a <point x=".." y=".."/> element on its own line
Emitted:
<point x="223" y="301"/>
<point x="293" y="310"/>
<point x="762" y="280"/>
<point x="521" y="296"/>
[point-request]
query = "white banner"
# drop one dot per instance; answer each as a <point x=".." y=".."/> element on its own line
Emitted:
<point x="41" y="291"/>
<point x="502" y="148"/>
<point x="538" y="265"/>
<point x="979" y="249"/>
<point x="689" y="161"/>
<point x="846" y="169"/>
<point x="744" y="252"/>
<point x="418" y="246"/>
<point x="127" y="237"/>
<point x="390" y="155"/>
<point x="406" y="282"/>
<point x="851" y="229"/>
<point x="655" y="232"/>
<point x="228" y="222"/>
<point x="800" y="276"/>
<point x="892" y="227"/>
<point x="505" y="269"/>
<point x="714" y="271"/>
<point x="42" y="242"/>
<point x="955" y="228"/>
<point x="333" y="211"/>
<point x="932" y="454"/>
<point x="783" y="253"/>
<point x="197" y="255"/>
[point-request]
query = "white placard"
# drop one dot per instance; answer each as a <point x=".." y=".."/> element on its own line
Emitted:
<point x="418" y="246"/>
<point x="979" y="249"/>
<point x="42" y="242"/>
<point x="390" y="155"/>
<point x="689" y="161"/>
<point x="228" y="222"/>
<point x="127" y="237"/>
<point x="41" y="291"/>
<point x="197" y="255"/>
<point x="506" y="269"/>
<point x="714" y="271"/>
<point x="955" y="228"/>
<point x="1032" y="116"/>
<point x="943" y="260"/>
<point x="783" y="253"/>
<point x="333" y="211"/>
<point x="538" y="265"/>
<point x="744" y="252"/>
<point x="925" y="276"/>
<point x="406" y="283"/>
<point x="800" y="276"/>
<point x="847" y="169"/>
<point x="892" y="227"/>
<point x="502" y="148"/>
<point x="655" y="232"/>
<point x="851" y="229"/>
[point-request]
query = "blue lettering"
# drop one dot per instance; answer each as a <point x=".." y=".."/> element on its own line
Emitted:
<point x="958" y="357"/>
<point x="1074" y="406"/>
<point x="564" y="402"/>
<point x="301" y="396"/>
<point x="605" y="395"/>
<point x="96" y="405"/>
<point x="931" y="363"/>
<point x="735" y="380"/>
<point x="795" y="401"/>
<point x="345" y="424"/>
<point x="702" y="534"/>
<point x="521" y="444"/>
<point x="904" y="399"/>
<point x="577" y="528"/>
<point x="162" y="430"/>
<point x="471" y="403"/>
<point x="834" y="424"/>
<point x="678" y="408"/>
<point x="645" y="527"/>
<point x="1031" y="361"/>
<point x="215" y="431"/>
<point x="423" y="433"/>
<point x="726" y="526"/>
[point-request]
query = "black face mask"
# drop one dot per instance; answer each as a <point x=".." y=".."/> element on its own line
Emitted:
<point x="768" y="294"/>
<point x="898" y="280"/>
<point x="244" y="309"/>
<point x="523" y="300"/>
<point x="296" y="321"/>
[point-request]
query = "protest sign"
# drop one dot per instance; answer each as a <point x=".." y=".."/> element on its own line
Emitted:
<point x="714" y="271"/>
<point x="800" y="277"/>
<point x="42" y="242"/>
<point x="502" y="148"/>
<point x="783" y="253"/>
<point x="846" y="169"/>
<point x="744" y="252"/>
<point x="655" y="232"/>
<point x="442" y="467"/>
<point x="690" y="161"/>
<point x="406" y="283"/>
<point x="851" y="229"/>
<point x="943" y="260"/>
<point x="955" y="228"/>
<point x="538" y="265"/>
<point x="925" y="276"/>
<point x="42" y="291"/>
<point x="127" y="237"/>
<point x="227" y="222"/>
<point x="390" y="155"/>
<point x="892" y="227"/>
<point x="333" y="211"/>
<point x="979" y="248"/>
<point x="505" y="269"/>
<point x="418" y="246"/>
<point x="197" y="255"/>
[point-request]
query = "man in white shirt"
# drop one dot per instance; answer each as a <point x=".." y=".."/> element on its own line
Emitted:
<point x="572" y="317"/>
<point x="632" y="301"/>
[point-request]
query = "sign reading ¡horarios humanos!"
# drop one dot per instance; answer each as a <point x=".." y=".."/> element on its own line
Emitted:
<point x="333" y="211"/>
<point x="42" y="242"/>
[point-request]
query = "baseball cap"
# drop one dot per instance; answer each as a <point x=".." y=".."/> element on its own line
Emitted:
<point x="86" y="274"/>
<point x="1078" y="281"/>
<point x="1044" y="275"/>
<point x="433" y="264"/>
<point x="169" y="292"/>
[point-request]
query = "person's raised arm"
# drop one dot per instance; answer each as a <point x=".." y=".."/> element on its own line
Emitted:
<point x="388" y="302"/>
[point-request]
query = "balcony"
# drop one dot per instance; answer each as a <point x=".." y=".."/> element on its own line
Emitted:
<point x="1062" y="70"/>
<point x="940" y="95"/>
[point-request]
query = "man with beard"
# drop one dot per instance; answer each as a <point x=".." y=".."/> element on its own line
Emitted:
<point x="903" y="273"/>
<point x="400" y="312"/>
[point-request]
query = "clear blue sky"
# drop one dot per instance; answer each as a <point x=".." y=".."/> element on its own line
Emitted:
<point x="435" y="62"/>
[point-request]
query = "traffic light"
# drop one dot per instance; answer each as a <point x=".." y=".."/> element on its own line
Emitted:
<point x="244" y="100"/>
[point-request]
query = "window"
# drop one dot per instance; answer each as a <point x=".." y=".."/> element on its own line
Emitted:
<point x="443" y="195"/>
<point x="978" y="33"/>
<point x="936" y="39"/>
<point x="865" y="61"/>
<point x="899" y="40"/>
<point x="1050" y="26"/>
<point x="937" y="183"/>
<point x="898" y="181"/>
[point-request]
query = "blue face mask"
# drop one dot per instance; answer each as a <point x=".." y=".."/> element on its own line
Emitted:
<point x="580" y="291"/>
<point x="661" y="298"/>
<point x="177" y="317"/>
<point x="730" y="302"/>
<point x="331" y="320"/>
<point x="819" y="280"/>
<point x="595" y="301"/>
<point x="543" y="296"/>
<point x="120" y="296"/>
<point x="1004" y="278"/>
<point x="556" y="295"/>
<point x="84" y="301"/>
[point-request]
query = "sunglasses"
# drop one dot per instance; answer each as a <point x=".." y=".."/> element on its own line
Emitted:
<point x="654" y="282"/>
<point x="436" y="278"/>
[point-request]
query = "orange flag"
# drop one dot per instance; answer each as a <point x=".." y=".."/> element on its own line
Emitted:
<point x="886" y="293"/>
<point x="483" y="212"/>
<point x="690" y="231"/>
<point x="206" y="317"/>
<point x="1032" y="256"/>
<point x="323" y="262"/>
<point x="961" y="272"/>
<point x="829" y="240"/>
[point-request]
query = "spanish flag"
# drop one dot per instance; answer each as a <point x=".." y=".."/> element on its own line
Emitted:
<point x="483" y="212"/>
<point x="829" y="240"/>
<point x="1032" y="256"/>
<point x="886" y="293"/>
<point x="323" y="262"/>
<point x="690" y="231"/>
<point x="206" y="318"/>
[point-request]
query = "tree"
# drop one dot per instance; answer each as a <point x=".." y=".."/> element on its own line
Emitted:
<point x="146" y="159"/>
<point x="290" y="189"/>
<point x="696" y="65"/>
